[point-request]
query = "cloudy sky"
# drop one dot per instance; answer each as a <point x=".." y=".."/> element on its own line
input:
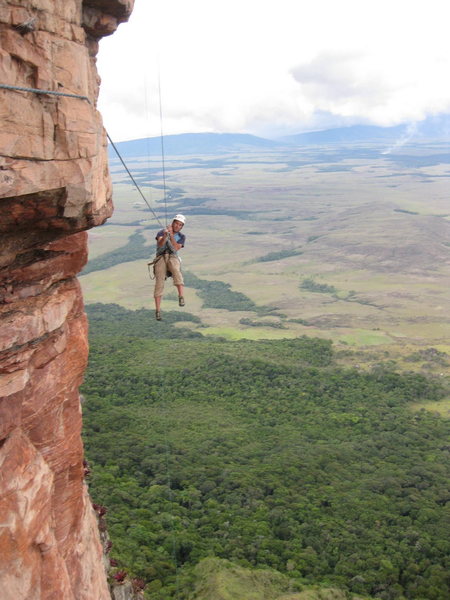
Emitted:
<point x="274" y="67"/>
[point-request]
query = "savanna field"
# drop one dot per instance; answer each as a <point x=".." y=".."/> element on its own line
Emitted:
<point x="286" y="436"/>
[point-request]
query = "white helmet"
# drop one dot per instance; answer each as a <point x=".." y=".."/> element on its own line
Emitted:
<point x="180" y="218"/>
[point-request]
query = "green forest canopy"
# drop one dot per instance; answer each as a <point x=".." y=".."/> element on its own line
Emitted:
<point x="265" y="454"/>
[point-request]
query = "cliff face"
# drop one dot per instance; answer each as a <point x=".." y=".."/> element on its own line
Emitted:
<point x="54" y="184"/>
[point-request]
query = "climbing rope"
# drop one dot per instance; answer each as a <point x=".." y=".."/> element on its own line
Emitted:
<point x="52" y="93"/>
<point x="166" y="440"/>
<point x="132" y="178"/>
<point x="163" y="162"/>
<point x="80" y="97"/>
<point x="5" y="86"/>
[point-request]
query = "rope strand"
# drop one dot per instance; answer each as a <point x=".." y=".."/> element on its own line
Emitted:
<point x="18" y="88"/>
<point x="132" y="178"/>
<point x="52" y="93"/>
<point x="166" y="438"/>
<point x="162" y="145"/>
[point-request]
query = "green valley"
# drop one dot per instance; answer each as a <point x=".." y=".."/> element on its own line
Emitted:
<point x="267" y="454"/>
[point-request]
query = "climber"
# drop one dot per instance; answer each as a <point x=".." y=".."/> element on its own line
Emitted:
<point x="167" y="263"/>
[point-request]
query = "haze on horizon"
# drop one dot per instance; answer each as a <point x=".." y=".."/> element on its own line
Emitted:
<point x="274" y="67"/>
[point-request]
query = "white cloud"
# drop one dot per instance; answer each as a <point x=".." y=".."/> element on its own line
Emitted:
<point x="349" y="85"/>
<point x="268" y="66"/>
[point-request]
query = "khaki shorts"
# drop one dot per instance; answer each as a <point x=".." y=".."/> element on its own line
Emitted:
<point x="167" y="262"/>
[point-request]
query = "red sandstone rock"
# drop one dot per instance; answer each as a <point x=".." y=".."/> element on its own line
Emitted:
<point x="54" y="184"/>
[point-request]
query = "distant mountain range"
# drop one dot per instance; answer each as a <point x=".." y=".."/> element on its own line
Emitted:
<point x="195" y="143"/>
<point x="433" y="128"/>
<point x="356" y="133"/>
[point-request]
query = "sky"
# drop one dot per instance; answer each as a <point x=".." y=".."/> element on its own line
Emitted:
<point x="274" y="67"/>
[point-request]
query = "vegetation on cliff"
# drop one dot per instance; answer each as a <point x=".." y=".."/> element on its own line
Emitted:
<point x="265" y="454"/>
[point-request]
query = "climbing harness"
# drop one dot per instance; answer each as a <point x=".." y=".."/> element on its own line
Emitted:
<point x="167" y="251"/>
<point x="151" y="266"/>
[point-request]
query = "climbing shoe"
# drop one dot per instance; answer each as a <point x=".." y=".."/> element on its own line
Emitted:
<point x="180" y="301"/>
<point x="158" y="315"/>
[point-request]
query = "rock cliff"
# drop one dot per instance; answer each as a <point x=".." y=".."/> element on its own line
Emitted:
<point x="54" y="184"/>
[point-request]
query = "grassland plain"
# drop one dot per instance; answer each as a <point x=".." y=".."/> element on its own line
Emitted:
<point x="374" y="227"/>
